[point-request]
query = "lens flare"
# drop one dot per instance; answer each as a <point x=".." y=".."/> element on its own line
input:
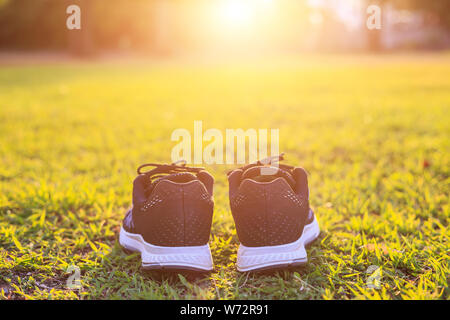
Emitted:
<point x="236" y="13"/>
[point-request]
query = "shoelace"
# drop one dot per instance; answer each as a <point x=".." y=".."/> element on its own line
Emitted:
<point x="268" y="162"/>
<point x="162" y="170"/>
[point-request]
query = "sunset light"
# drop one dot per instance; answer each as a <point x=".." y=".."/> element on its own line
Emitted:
<point x="234" y="153"/>
<point x="236" y="12"/>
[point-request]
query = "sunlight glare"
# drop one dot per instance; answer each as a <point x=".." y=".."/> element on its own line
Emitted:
<point x="236" y="13"/>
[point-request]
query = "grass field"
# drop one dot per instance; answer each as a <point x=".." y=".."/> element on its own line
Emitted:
<point x="373" y="132"/>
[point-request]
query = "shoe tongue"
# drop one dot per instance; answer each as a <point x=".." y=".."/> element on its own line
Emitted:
<point x="267" y="174"/>
<point x="180" y="177"/>
<point x="177" y="177"/>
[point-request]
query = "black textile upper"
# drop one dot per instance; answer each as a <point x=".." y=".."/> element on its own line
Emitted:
<point x="172" y="206"/>
<point x="269" y="204"/>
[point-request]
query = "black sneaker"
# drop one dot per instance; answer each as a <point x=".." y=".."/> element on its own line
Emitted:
<point x="170" y="221"/>
<point x="271" y="211"/>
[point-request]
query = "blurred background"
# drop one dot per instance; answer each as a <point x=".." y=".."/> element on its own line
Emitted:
<point x="366" y="112"/>
<point x="174" y="27"/>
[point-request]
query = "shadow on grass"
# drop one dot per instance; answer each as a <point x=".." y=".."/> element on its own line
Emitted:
<point x="120" y="275"/>
<point x="159" y="276"/>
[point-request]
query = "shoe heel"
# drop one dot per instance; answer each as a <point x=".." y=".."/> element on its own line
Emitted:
<point x="270" y="257"/>
<point x="193" y="258"/>
<point x="282" y="256"/>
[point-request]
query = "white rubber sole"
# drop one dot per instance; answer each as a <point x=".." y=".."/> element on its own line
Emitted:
<point x="286" y="255"/>
<point x="195" y="258"/>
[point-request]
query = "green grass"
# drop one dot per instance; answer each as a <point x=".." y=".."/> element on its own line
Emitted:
<point x="373" y="132"/>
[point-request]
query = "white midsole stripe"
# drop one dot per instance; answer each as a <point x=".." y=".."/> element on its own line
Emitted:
<point x="191" y="256"/>
<point x="250" y="258"/>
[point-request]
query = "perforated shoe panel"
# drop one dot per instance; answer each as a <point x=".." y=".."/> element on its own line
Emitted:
<point x="268" y="213"/>
<point x="176" y="214"/>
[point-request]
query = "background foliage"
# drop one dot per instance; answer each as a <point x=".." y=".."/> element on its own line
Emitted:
<point x="131" y="25"/>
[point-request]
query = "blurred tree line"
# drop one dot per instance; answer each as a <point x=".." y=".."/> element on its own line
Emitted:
<point x="124" y="24"/>
<point x="439" y="9"/>
<point x="437" y="13"/>
<point x="105" y="24"/>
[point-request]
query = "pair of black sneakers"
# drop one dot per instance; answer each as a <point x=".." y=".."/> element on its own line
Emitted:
<point x="170" y="220"/>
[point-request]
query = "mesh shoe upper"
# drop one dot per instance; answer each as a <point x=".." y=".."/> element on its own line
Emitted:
<point x="269" y="208"/>
<point x="174" y="210"/>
